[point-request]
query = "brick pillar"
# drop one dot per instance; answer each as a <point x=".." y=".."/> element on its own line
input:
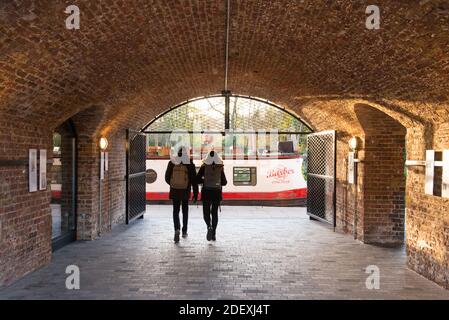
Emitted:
<point x="88" y="186"/>
<point x="89" y="129"/>
<point x="87" y="124"/>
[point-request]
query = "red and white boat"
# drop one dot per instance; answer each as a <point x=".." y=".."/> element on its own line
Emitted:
<point x="270" y="180"/>
<point x="275" y="179"/>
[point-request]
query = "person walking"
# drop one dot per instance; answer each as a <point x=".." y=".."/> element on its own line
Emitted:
<point x="181" y="176"/>
<point x="211" y="175"/>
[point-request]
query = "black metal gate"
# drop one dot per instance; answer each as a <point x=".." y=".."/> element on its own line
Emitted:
<point x="321" y="176"/>
<point x="135" y="175"/>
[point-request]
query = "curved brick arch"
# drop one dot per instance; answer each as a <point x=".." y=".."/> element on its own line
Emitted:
<point x="277" y="51"/>
<point x="383" y="170"/>
<point x="133" y="59"/>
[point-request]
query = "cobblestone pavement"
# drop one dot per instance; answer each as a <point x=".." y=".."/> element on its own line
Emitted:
<point x="260" y="253"/>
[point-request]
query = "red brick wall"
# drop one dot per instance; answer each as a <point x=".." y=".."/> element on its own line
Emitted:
<point x="25" y="240"/>
<point x="427" y="215"/>
<point x="25" y="218"/>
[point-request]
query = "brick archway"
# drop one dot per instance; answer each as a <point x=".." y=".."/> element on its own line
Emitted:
<point x="383" y="169"/>
<point x="314" y="58"/>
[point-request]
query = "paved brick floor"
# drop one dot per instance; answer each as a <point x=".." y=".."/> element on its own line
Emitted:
<point x="261" y="253"/>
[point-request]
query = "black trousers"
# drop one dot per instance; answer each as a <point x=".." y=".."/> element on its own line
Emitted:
<point x="185" y="214"/>
<point x="210" y="208"/>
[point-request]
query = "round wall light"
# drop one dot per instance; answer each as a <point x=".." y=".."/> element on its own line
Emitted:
<point x="103" y="143"/>
<point x="353" y="143"/>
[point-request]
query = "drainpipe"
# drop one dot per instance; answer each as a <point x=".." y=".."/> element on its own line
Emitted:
<point x="102" y="173"/>
<point x="110" y="203"/>
<point x="100" y="205"/>
<point x="228" y="21"/>
<point x="355" y="213"/>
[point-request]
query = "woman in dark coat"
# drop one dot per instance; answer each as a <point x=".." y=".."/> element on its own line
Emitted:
<point x="211" y="196"/>
<point x="181" y="197"/>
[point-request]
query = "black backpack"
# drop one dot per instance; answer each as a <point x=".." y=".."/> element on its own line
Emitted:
<point x="212" y="176"/>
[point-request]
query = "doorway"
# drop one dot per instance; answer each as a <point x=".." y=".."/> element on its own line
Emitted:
<point x="263" y="146"/>
<point x="64" y="185"/>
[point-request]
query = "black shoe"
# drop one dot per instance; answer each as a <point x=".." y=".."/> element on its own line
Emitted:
<point x="213" y="236"/>
<point x="184" y="234"/>
<point x="176" y="236"/>
<point x="209" y="234"/>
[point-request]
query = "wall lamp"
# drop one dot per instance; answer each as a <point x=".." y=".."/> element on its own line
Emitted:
<point x="353" y="143"/>
<point x="103" y="143"/>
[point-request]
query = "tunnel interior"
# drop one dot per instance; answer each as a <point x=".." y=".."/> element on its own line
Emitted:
<point x="129" y="63"/>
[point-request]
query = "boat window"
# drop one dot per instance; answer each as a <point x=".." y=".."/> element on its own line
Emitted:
<point x="245" y="176"/>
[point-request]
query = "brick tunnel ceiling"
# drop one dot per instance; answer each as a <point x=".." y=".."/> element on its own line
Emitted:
<point x="137" y="58"/>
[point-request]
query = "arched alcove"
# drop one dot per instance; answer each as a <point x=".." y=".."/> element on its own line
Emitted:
<point x="384" y="178"/>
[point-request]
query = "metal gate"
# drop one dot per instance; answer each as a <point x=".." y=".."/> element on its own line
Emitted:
<point x="135" y="175"/>
<point x="321" y="176"/>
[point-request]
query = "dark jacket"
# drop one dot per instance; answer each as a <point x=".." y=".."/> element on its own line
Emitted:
<point x="182" y="194"/>
<point x="212" y="195"/>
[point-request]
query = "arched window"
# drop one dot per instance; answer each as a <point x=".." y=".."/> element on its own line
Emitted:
<point x="245" y="114"/>
<point x="240" y="127"/>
